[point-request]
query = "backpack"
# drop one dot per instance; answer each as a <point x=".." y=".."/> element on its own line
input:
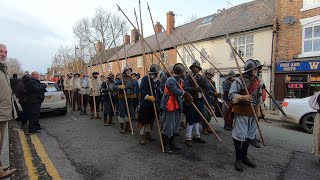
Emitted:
<point x="313" y="101"/>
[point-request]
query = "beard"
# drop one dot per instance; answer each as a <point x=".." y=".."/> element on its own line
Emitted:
<point x="3" y="60"/>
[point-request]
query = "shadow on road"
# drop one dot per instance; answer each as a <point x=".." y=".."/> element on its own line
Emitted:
<point x="293" y="127"/>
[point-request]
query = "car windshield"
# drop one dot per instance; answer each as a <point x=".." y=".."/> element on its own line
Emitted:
<point x="52" y="87"/>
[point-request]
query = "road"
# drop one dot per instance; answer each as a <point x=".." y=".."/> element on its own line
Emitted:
<point x="81" y="148"/>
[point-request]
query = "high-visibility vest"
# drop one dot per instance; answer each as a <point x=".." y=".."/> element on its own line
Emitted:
<point x="172" y="103"/>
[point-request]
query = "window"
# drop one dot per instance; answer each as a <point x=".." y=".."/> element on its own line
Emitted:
<point x="208" y="19"/>
<point x="311" y="39"/>
<point x="139" y="62"/>
<point x="123" y="64"/>
<point x="186" y="57"/>
<point x="243" y="45"/>
<point x="110" y="66"/>
<point x="203" y="55"/>
<point x="310" y="4"/>
<point x="165" y="57"/>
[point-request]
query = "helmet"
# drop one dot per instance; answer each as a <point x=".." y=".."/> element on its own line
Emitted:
<point x="110" y="75"/>
<point x="161" y="73"/>
<point x="179" y="69"/>
<point x="138" y="75"/>
<point x="259" y="65"/>
<point x="76" y="74"/>
<point x="210" y="71"/>
<point x="249" y="65"/>
<point x="231" y="74"/>
<point x="154" y="69"/>
<point x="195" y="63"/>
<point x="170" y="68"/>
<point x="95" y="73"/>
<point x="125" y="69"/>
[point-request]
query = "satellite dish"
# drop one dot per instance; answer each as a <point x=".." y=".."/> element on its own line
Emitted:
<point x="289" y="20"/>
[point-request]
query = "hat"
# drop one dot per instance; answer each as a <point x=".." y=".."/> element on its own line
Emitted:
<point x="179" y="69"/>
<point x="249" y="65"/>
<point x="195" y="63"/>
<point x="76" y="74"/>
<point x="154" y="69"/>
<point x="210" y="71"/>
<point x="259" y="65"/>
<point x="110" y="75"/>
<point x="231" y="74"/>
<point x="126" y="68"/>
<point x="95" y="73"/>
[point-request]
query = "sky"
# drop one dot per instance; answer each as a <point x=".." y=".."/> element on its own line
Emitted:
<point x="33" y="30"/>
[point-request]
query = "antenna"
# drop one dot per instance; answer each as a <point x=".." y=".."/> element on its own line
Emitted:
<point x="229" y="3"/>
<point x="289" y="20"/>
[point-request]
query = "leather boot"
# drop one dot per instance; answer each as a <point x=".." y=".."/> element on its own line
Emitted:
<point x="142" y="140"/>
<point x="165" y="140"/>
<point x="205" y="131"/>
<point x="106" y="123"/>
<point x="122" y="130"/>
<point x="110" y="121"/>
<point x="245" y="158"/>
<point x="237" y="146"/>
<point x="92" y="115"/>
<point x="173" y="145"/>
<point x="7" y="173"/>
<point x="128" y="129"/>
<point x="188" y="143"/>
<point x="199" y="140"/>
<point x="148" y="136"/>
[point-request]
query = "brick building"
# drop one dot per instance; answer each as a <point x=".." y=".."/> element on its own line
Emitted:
<point x="297" y="68"/>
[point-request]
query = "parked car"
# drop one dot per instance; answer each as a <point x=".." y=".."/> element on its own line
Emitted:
<point x="54" y="101"/>
<point x="299" y="112"/>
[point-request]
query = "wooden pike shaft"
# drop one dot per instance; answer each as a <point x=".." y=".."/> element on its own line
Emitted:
<point x="246" y="89"/>
<point x="124" y="91"/>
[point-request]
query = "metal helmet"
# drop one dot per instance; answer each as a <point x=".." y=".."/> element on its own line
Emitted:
<point x="95" y="73"/>
<point x="154" y="69"/>
<point x="179" y="69"/>
<point x="259" y="65"/>
<point x="125" y="69"/>
<point x="195" y="63"/>
<point x="249" y="65"/>
<point x="161" y="73"/>
<point x="210" y="71"/>
<point x="138" y="75"/>
<point x="110" y="75"/>
<point x="231" y="74"/>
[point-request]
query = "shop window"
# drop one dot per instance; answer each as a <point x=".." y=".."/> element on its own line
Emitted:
<point x="297" y="78"/>
<point x="296" y="86"/>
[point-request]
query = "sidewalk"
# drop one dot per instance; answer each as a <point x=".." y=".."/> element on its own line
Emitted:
<point x="272" y="116"/>
<point x="5" y="152"/>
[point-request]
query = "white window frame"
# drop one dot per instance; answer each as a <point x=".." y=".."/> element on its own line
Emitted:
<point x="236" y="45"/>
<point x="123" y="64"/>
<point x="310" y="6"/>
<point x="110" y="67"/>
<point x="165" y="57"/>
<point x="186" y="57"/>
<point x="307" y="23"/>
<point x="139" y="62"/>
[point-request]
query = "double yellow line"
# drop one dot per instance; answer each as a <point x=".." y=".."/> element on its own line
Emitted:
<point x="32" y="172"/>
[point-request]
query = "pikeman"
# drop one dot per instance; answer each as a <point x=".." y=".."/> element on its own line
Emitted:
<point x="94" y="99"/>
<point x="212" y="96"/>
<point x="172" y="106"/>
<point x="68" y="86"/>
<point x="108" y="96"/>
<point x="228" y="121"/>
<point x="245" y="126"/>
<point x="192" y="117"/>
<point x="84" y="93"/>
<point x="76" y="89"/>
<point x="129" y="87"/>
<point x="146" y="113"/>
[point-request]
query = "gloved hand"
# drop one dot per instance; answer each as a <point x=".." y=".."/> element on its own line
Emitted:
<point x="149" y="98"/>
<point x="199" y="89"/>
<point x="187" y="98"/>
<point x="121" y="86"/>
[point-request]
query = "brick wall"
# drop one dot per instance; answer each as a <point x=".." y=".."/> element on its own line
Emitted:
<point x="289" y="43"/>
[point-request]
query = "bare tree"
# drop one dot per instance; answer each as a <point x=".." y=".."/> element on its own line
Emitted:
<point x="14" y="66"/>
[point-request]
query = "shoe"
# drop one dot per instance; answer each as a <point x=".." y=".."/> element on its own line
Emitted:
<point x="24" y="127"/>
<point x="173" y="145"/>
<point x="33" y="132"/>
<point x="149" y="137"/>
<point x="110" y="121"/>
<point x="248" y="162"/>
<point x="92" y="116"/>
<point x="238" y="165"/>
<point x="205" y="132"/>
<point x="7" y="173"/>
<point x="255" y="143"/>
<point x="142" y="140"/>
<point x="209" y="131"/>
<point x="199" y="140"/>
<point x="81" y="113"/>
<point x="188" y="143"/>
<point x="228" y="128"/>
<point x="122" y="129"/>
<point x="167" y="149"/>
<point x="106" y="123"/>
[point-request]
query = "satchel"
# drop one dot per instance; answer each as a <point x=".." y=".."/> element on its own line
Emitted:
<point x="313" y="101"/>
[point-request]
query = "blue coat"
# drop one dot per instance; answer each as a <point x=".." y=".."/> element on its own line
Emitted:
<point x="172" y="84"/>
<point x="145" y="90"/>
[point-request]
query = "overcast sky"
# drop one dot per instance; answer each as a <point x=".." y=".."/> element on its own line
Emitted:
<point x="33" y="30"/>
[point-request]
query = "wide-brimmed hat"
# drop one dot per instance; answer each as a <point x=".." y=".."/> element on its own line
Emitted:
<point x="95" y="73"/>
<point x="76" y="74"/>
<point x="195" y="63"/>
<point x="249" y="65"/>
<point x="210" y="71"/>
<point x="259" y="65"/>
<point x="231" y="74"/>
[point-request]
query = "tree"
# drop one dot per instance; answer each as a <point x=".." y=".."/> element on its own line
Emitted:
<point x="14" y="66"/>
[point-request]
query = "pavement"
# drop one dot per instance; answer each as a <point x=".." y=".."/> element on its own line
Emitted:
<point x="5" y="152"/>
<point x="82" y="148"/>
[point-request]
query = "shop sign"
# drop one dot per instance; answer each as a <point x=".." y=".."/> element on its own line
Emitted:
<point x="298" y="66"/>
<point x="295" y="86"/>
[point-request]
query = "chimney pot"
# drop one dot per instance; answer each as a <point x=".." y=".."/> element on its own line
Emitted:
<point x="170" y="22"/>
<point x="134" y="36"/>
<point x="158" y="27"/>
<point x="126" y="39"/>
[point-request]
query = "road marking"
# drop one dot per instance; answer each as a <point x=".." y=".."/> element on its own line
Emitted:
<point x="27" y="156"/>
<point x="52" y="171"/>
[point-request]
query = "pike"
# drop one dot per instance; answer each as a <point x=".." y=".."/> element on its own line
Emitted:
<point x="245" y="87"/>
<point x="124" y="91"/>
<point x="149" y="81"/>
<point x="198" y="111"/>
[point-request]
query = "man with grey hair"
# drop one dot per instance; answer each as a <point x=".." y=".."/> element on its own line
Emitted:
<point x="7" y="110"/>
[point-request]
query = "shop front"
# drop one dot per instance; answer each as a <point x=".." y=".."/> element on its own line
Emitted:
<point x="297" y="79"/>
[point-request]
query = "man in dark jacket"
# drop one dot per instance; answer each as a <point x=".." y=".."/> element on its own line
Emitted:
<point x="14" y="83"/>
<point x="35" y="93"/>
<point x="21" y="94"/>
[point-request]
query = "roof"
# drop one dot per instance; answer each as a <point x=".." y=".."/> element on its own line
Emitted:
<point x="241" y="18"/>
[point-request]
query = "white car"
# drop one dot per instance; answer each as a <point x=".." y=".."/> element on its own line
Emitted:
<point x="299" y="112"/>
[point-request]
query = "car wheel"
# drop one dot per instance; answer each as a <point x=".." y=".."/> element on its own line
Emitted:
<point x="307" y="122"/>
<point x="63" y="112"/>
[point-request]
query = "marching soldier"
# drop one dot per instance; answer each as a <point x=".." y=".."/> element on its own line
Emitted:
<point x="94" y="89"/>
<point x="84" y="93"/>
<point x="68" y="86"/>
<point x="129" y="87"/>
<point x="228" y="121"/>
<point x="76" y="89"/>
<point x="192" y="116"/>
<point x="146" y="112"/>
<point x="108" y="97"/>
<point x="172" y="106"/>
<point x="212" y="96"/>
<point x="245" y="127"/>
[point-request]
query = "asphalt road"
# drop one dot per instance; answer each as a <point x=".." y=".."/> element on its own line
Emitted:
<point x="81" y="148"/>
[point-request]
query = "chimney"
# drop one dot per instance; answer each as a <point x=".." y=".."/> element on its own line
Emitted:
<point x="99" y="47"/>
<point x="158" y="27"/>
<point x="126" y="39"/>
<point x="170" y="22"/>
<point x="134" y="36"/>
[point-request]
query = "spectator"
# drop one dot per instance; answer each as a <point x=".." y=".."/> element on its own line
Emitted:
<point x="14" y="83"/>
<point x="35" y="93"/>
<point x="21" y="94"/>
<point x="7" y="110"/>
<point x="314" y="103"/>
